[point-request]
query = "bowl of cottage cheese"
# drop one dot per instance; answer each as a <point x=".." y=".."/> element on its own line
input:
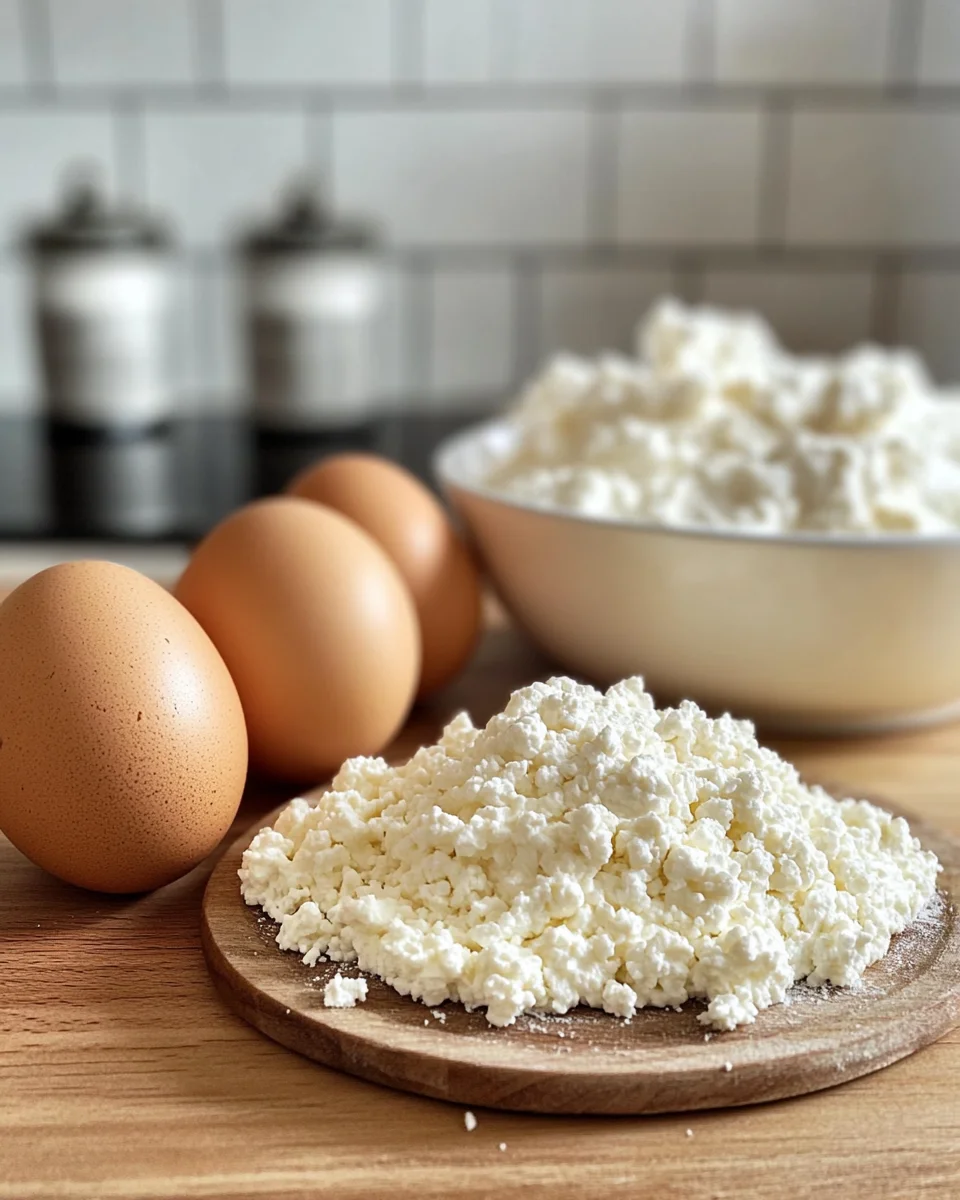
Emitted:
<point x="771" y="535"/>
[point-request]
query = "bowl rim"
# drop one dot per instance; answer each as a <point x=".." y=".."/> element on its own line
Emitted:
<point x="448" y="480"/>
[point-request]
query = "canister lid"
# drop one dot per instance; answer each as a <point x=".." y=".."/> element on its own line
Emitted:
<point x="87" y="221"/>
<point x="305" y="225"/>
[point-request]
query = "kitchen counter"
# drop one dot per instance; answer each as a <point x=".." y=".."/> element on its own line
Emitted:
<point x="122" y="1074"/>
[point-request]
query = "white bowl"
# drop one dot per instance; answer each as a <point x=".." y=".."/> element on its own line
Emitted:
<point x="810" y="633"/>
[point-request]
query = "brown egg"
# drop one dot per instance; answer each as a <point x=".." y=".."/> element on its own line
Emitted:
<point x="317" y="628"/>
<point x="123" y="751"/>
<point x="409" y="523"/>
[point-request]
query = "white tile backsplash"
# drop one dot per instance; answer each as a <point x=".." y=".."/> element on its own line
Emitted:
<point x="811" y="310"/>
<point x="36" y="147"/>
<point x="215" y="168"/>
<point x="465" y="177"/>
<point x="290" y="42"/>
<point x="104" y="42"/>
<point x="13" y="59"/>
<point x="928" y="318"/>
<point x="939" y="41"/>
<point x="458" y="41"/>
<point x="544" y="168"/>
<point x="786" y="42"/>
<point x="887" y="178"/>
<point x="472" y="333"/>
<point x="590" y="41"/>
<point x="589" y="309"/>
<point x="689" y="176"/>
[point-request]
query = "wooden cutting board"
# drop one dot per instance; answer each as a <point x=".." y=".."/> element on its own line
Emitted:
<point x="587" y="1061"/>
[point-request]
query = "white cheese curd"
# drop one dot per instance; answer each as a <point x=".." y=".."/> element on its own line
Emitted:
<point x="715" y="425"/>
<point x="588" y="848"/>
<point x="341" y="992"/>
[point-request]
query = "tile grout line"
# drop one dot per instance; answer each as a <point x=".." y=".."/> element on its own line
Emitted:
<point x="318" y="138"/>
<point x="602" y="173"/>
<point x="503" y="39"/>
<point x="774" y="172"/>
<point x="700" y="42"/>
<point x="129" y="149"/>
<point x="406" y="43"/>
<point x="210" y="47"/>
<point x="38" y="47"/>
<point x="528" y="299"/>
<point x="904" y="32"/>
<point x="496" y="96"/>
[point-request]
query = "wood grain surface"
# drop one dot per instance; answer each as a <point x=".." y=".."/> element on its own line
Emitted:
<point x="587" y="1061"/>
<point x="123" y="1074"/>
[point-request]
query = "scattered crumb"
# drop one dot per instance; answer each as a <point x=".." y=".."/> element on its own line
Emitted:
<point x="707" y="1037"/>
<point x="470" y="1121"/>
<point x="439" y="1015"/>
<point x="689" y="1133"/>
<point x="344" y="993"/>
<point x="728" y="1066"/>
<point x="503" y="1145"/>
<point x="426" y="1021"/>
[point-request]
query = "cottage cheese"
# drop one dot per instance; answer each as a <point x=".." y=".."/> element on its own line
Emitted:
<point x="341" y="992"/>
<point x="587" y="848"/>
<point x="714" y="424"/>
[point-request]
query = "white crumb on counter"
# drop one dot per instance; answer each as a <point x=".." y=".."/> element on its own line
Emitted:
<point x="470" y="1121"/>
<point x="728" y="1066"/>
<point x="503" y="1145"/>
<point x="689" y="1133"/>
<point x="344" y="993"/>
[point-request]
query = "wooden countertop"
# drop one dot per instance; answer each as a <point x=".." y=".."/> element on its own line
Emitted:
<point x="123" y="1075"/>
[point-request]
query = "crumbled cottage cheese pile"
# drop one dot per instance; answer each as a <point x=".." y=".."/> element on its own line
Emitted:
<point x="587" y="848"/>
<point x="714" y="424"/>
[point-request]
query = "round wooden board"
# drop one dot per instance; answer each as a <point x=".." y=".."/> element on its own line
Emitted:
<point x="587" y="1061"/>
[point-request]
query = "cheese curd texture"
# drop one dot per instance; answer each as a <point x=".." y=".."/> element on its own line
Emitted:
<point x="588" y="848"/>
<point x="344" y="993"/>
<point x="714" y="424"/>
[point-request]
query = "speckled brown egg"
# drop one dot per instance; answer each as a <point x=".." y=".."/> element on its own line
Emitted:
<point x="403" y="517"/>
<point x="317" y="628"/>
<point x="123" y="751"/>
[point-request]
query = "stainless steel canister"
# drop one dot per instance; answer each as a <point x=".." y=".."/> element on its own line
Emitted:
<point x="313" y="297"/>
<point x="102" y="301"/>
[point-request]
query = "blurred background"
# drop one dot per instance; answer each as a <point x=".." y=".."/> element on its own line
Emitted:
<point x="502" y="179"/>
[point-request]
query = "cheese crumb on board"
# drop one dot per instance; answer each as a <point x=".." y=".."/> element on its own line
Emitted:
<point x="470" y="1121"/>
<point x="341" y="992"/>
<point x="715" y="425"/>
<point x="588" y="848"/>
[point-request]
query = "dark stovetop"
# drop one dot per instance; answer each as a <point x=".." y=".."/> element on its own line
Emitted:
<point x="174" y="482"/>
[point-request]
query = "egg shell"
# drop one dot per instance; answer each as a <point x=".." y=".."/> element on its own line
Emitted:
<point x="318" y="630"/>
<point x="123" y="751"/>
<point x="410" y="524"/>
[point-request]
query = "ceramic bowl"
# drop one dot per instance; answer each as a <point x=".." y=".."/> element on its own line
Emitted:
<point x="810" y="633"/>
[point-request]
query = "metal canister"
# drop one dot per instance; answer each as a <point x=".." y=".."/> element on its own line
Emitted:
<point x="313" y="294"/>
<point x="102" y="287"/>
